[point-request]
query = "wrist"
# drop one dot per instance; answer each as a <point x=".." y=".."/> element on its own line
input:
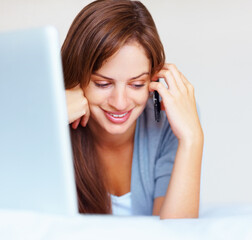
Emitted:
<point x="193" y="140"/>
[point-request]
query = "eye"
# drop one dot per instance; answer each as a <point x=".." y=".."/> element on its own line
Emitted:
<point x="102" y="85"/>
<point x="137" y="85"/>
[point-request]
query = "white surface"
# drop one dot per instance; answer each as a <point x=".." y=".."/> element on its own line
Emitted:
<point x="210" y="41"/>
<point x="233" y="222"/>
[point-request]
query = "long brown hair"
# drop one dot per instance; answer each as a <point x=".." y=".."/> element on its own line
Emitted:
<point x="97" y="32"/>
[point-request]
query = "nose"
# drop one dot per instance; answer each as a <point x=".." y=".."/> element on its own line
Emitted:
<point x="118" y="99"/>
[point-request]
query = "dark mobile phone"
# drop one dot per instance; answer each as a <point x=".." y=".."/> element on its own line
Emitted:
<point x="157" y="106"/>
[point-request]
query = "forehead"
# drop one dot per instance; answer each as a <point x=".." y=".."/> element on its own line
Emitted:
<point x="129" y="61"/>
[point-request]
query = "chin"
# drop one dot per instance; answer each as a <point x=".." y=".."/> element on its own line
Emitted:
<point x="117" y="129"/>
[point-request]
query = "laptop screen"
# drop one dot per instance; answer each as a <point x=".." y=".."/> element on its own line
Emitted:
<point x="36" y="165"/>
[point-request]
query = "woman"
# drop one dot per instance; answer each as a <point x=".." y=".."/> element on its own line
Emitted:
<point x="125" y="162"/>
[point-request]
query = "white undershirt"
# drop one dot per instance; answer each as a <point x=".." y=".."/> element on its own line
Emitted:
<point x="121" y="205"/>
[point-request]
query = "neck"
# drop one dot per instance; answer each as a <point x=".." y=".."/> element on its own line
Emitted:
<point x="108" y="141"/>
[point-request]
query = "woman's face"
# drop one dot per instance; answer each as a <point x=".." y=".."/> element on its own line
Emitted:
<point x="118" y="91"/>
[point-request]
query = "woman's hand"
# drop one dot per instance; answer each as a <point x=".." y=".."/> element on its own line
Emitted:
<point x="183" y="192"/>
<point x="179" y="103"/>
<point x="77" y="107"/>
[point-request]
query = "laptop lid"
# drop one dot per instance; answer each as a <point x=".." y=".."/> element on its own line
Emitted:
<point x="36" y="166"/>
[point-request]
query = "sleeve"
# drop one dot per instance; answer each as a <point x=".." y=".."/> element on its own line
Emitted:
<point x="164" y="162"/>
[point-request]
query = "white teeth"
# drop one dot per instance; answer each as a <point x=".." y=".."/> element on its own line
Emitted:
<point x="118" y="116"/>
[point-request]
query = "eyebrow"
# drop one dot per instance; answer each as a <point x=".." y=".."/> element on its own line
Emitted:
<point x="108" y="78"/>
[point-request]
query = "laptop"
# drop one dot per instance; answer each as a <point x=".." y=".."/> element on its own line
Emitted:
<point x="36" y="165"/>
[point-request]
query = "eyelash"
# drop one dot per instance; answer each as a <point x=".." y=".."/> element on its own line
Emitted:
<point x="105" y="85"/>
<point x="137" y="85"/>
<point x="102" y="85"/>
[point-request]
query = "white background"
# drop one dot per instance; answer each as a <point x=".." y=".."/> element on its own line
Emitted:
<point x="211" y="43"/>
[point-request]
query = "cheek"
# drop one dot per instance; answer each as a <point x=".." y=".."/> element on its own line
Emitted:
<point x="141" y="97"/>
<point x="93" y="96"/>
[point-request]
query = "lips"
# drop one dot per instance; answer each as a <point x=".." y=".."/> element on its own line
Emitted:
<point x="118" y="117"/>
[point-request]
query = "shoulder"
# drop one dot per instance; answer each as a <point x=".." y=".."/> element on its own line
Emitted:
<point x="156" y="136"/>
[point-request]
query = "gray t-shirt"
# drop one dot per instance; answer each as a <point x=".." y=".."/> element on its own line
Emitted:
<point x="155" y="147"/>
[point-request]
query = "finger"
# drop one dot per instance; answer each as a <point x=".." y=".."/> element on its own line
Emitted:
<point x="169" y="79"/>
<point x="85" y="118"/>
<point x="160" y="88"/>
<point x="186" y="82"/>
<point x="166" y="66"/>
<point x="177" y="76"/>
<point x="188" y="85"/>
<point x="76" y="123"/>
<point x="155" y="77"/>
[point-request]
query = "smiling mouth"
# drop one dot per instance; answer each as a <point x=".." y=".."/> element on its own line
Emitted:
<point x="117" y="117"/>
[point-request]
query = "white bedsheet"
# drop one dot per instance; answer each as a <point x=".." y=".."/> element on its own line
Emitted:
<point x="216" y="222"/>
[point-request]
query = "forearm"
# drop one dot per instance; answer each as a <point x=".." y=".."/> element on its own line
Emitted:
<point x="183" y="193"/>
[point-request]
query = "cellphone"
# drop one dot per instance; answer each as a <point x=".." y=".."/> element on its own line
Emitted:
<point x="157" y="105"/>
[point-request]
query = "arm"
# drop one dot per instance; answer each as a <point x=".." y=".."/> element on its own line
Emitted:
<point x="182" y="196"/>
